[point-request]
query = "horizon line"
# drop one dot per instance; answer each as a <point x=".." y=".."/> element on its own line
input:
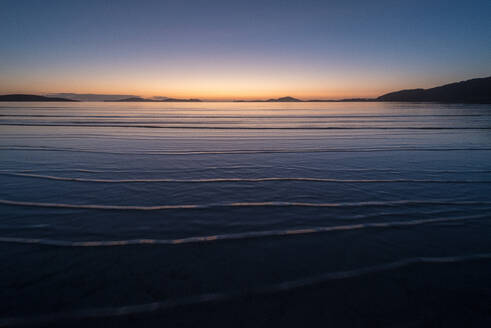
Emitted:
<point x="157" y="98"/>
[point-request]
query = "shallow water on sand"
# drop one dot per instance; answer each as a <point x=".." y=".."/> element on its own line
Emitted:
<point x="153" y="206"/>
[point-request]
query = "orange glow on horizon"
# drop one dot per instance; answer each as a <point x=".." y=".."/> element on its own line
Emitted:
<point x="208" y="90"/>
<point x="206" y="82"/>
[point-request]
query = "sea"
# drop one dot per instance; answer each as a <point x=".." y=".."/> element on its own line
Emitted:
<point x="339" y="214"/>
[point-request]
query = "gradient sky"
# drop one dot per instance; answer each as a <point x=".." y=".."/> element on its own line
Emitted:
<point x="241" y="49"/>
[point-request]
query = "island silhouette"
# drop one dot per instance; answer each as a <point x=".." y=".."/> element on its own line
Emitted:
<point x="139" y="99"/>
<point x="470" y="91"/>
<point x="24" y="97"/>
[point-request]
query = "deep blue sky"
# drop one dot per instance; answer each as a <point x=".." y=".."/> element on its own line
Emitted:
<point x="230" y="49"/>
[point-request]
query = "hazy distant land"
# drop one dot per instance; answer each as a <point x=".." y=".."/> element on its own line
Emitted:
<point x="22" y="97"/>
<point x="282" y="99"/>
<point x="139" y="99"/>
<point x="470" y="91"/>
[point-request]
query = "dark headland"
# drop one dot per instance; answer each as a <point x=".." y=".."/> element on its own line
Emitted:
<point x="470" y="91"/>
<point x="22" y="97"/>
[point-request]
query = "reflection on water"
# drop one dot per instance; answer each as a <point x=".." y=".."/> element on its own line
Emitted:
<point x="223" y="198"/>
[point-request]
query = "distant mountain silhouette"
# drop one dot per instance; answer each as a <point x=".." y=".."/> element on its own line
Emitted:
<point x="284" y="99"/>
<point x="470" y="91"/>
<point x="180" y="100"/>
<point x="341" y="100"/>
<point x="139" y="99"/>
<point x="355" y="100"/>
<point x="22" y="97"/>
<point x="89" y="96"/>
<point x="131" y="99"/>
<point x="291" y="99"/>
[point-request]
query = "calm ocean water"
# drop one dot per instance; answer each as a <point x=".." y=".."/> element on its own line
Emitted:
<point x="362" y="213"/>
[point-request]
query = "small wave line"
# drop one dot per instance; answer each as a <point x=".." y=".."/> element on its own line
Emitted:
<point x="243" y="204"/>
<point x="212" y="127"/>
<point x="242" y="151"/>
<point x="225" y="180"/>
<point x="233" y="236"/>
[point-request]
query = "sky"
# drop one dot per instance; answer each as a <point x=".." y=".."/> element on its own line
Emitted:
<point x="223" y="50"/>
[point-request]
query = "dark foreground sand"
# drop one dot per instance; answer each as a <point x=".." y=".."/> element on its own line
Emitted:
<point x="419" y="295"/>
